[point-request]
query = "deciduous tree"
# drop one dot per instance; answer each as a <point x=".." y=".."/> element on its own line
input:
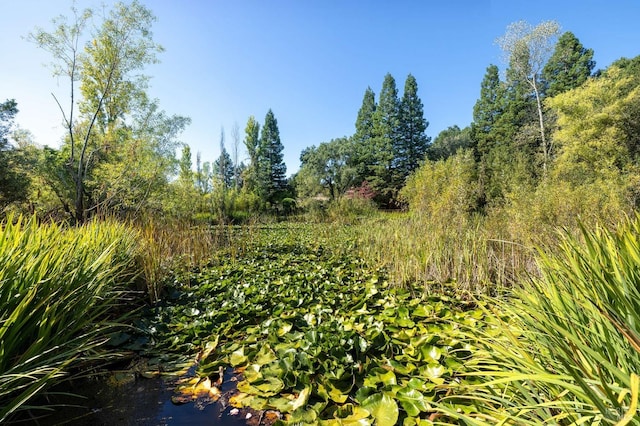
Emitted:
<point x="527" y="50"/>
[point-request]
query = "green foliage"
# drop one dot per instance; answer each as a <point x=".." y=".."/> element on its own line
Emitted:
<point x="443" y="188"/>
<point x="58" y="302"/>
<point x="116" y="120"/>
<point x="386" y="121"/>
<point x="13" y="181"/>
<point x="271" y="168"/>
<point x="569" y="66"/>
<point x="317" y="334"/>
<point x="449" y="141"/>
<point x="570" y="349"/>
<point x="349" y="209"/>
<point x="411" y="143"/>
<point x="597" y="127"/>
<point x="329" y="165"/>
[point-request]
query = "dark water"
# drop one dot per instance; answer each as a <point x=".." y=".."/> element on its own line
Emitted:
<point x="141" y="402"/>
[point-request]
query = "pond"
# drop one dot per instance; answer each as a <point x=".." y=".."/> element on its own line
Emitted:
<point x="127" y="400"/>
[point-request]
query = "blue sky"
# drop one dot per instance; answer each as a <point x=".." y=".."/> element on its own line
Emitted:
<point x="310" y="61"/>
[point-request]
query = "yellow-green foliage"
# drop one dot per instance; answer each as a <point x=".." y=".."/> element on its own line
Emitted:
<point x="443" y="189"/>
<point x="58" y="291"/>
<point x="574" y="355"/>
<point x="592" y="140"/>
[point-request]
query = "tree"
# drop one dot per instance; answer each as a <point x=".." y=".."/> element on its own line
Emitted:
<point x="569" y="66"/>
<point x="527" y="50"/>
<point x="252" y="143"/>
<point x="272" y="180"/>
<point x="450" y="141"/>
<point x="386" y="119"/>
<point x="223" y="168"/>
<point x="598" y="127"/>
<point x="13" y="181"/>
<point x="329" y="166"/>
<point x="411" y="144"/>
<point x="108" y="70"/>
<point x="363" y="137"/>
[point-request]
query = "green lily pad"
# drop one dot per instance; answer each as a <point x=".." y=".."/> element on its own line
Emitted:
<point x="383" y="408"/>
<point x="412" y="401"/>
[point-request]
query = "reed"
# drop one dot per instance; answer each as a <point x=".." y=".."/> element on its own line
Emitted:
<point x="569" y="345"/>
<point x="60" y="290"/>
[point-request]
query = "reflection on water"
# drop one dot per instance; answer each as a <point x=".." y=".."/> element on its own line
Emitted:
<point x="142" y="402"/>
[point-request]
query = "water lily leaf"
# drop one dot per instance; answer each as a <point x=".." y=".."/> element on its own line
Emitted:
<point x="265" y="355"/>
<point x="380" y="375"/>
<point x="383" y="408"/>
<point x="252" y="373"/>
<point x="302" y="415"/>
<point x="433" y="372"/>
<point x="193" y="312"/>
<point x="237" y="357"/>
<point x="423" y="311"/>
<point x="336" y="394"/>
<point x="284" y="329"/>
<point x="430" y="352"/>
<point x="412" y="401"/>
<point x="302" y="398"/>
<point x="269" y="386"/>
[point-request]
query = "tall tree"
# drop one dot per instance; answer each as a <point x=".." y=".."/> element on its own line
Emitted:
<point x="223" y="166"/>
<point x="252" y="143"/>
<point x="411" y="144"/>
<point x="598" y="132"/>
<point x="527" y="50"/>
<point x="492" y="132"/>
<point x="272" y="169"/>
<point x="108" y="69"/>
<point x="386" y="121"/>
<point x="568" y="67"/>
<point x="363" y="137"/>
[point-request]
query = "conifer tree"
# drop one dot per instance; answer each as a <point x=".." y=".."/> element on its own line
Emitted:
<point x="569" y="66"/>
<point x="386" y="121"/>
<point x="271" y="168"/>
<point x="411" y="143"/>
<point x="362" y="139"/>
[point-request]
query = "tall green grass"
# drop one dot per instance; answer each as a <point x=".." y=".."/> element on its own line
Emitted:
<point x="61" y="291"/>
<point x="569" y="351"/>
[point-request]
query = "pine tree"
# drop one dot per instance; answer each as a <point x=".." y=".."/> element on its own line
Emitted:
<point x="385" y="132"/>
<point x="271" y="168"/>
<point x="411" y="143"/>
<point x="569" y="66"/>
<point x="223" y="167"/>
<point x="362" y="139"/>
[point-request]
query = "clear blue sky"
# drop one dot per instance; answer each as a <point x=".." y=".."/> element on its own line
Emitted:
<point x="309" y="61"/>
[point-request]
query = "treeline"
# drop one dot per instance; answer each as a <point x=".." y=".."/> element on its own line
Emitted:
<point x="545" y="129"/>
<point x="388" y="145"/>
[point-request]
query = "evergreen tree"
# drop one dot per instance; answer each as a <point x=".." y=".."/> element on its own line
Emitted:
<point x="386" y="119"/>
<point x="411" y="143"/>
<point x="223" y="166"/>
<point x="492" y="132"/>
<point x="362" y="139"/>
<point x="272" y="171"/>
<point x="569" y="66"/>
